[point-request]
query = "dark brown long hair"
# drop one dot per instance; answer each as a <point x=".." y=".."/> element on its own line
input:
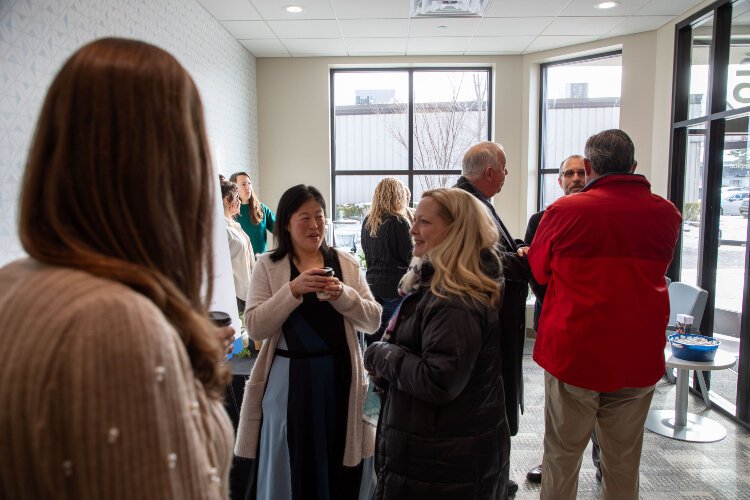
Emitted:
<point x="119" y="184"/>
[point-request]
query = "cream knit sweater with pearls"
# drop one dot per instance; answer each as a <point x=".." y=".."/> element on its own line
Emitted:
<point x="97" y="396"/>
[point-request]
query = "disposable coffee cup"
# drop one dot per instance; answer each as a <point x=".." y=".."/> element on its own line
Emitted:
<point x="220" y="318"/>
<point x="683" y="323"/>
<point x="328" y="271"/>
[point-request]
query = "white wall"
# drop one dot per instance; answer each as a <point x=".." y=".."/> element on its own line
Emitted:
<point x="636" y="99"/>
<point x="294" y="119"/>
<point x="37" y="36"/>
<point x="294" y="122"/>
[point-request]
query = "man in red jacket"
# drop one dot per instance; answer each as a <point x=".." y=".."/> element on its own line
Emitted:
<point x="603" y="254"/>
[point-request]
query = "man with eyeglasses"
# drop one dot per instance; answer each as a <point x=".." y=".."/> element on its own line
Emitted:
<point x="571" y="180"/>
<point x="484" y="172"/>
<point x="603" y="254"/>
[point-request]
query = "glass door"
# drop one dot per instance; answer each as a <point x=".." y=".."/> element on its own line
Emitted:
<point x="710" y="183"/>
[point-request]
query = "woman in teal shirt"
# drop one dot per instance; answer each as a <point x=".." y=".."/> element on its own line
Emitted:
<point x="255" y="218"/>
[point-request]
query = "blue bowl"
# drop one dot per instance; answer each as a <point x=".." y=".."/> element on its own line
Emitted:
<point x="691" y="352"/>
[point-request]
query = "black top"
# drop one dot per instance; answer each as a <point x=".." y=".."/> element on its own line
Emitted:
<point x="387" y="255"/>
<point x="531" y="228"/>
<point x="327" y="322"/>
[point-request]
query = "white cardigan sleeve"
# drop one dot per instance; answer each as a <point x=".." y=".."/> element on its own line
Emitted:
<point x="270" y="301"/>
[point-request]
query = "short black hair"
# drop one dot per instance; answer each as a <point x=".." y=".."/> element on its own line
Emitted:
<point x="610" y="151"/>
<point x="290" y="201"/>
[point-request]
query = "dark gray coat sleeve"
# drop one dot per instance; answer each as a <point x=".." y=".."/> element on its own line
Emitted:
<point x="451" y="339"/>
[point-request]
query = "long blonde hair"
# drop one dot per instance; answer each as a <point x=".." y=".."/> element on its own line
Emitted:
<point x="457" y="260"/>
<point x="119" y="184"/>
<point x="391" y="197"/>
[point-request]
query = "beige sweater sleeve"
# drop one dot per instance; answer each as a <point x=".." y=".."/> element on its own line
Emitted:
<point x="124" y="417"/>
<point x="270" y="301"/>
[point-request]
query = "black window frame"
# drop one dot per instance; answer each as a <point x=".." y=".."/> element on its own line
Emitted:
<point x="715" y="127"/>
<point x="541" y="170"/>
<point x="410" y="172"/>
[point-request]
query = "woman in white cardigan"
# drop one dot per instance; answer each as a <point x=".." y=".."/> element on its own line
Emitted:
<point x="302" y="414"/>
<point x="240" y="248"/>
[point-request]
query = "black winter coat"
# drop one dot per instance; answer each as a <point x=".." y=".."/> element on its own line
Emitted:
<point x="387" y="255"/>
<point x="442" y="433"/>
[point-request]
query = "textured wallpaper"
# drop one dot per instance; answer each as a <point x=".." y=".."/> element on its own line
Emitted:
<point x="37" y="36"/>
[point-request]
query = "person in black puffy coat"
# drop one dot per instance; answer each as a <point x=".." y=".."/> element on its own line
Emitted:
<point x="443" y="432"/>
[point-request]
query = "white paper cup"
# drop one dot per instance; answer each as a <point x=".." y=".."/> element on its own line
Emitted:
<point x="684" y="323"/>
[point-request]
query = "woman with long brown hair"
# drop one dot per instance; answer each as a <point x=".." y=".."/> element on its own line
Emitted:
<point x="111" y="375"/>
<point x="254" y="217"/>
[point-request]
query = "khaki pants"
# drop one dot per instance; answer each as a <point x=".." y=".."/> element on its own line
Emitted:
<point x="570" y="415"/>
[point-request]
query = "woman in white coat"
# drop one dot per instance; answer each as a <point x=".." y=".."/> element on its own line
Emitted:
<point x="240" y="248"/>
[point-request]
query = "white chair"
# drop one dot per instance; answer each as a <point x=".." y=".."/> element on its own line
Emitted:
<point x="686" y="299"/>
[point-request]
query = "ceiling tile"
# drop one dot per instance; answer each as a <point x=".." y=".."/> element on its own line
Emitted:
<point x="639" y="24"/>
<point x="372" y="45"/>
<point x="574" y="26"/>
<point x="512" y="26"/>
<point x="366" y="9"/>
<point x="248" y="29"/>
<point x="437" y="45"/>
<point x="373" y="28"/>
<point x="454" y="27"/>
<point x="275" y="9"/>
<point x="525" y="8"/>
<point x="265" y="48"/>
<point x="554" y="42"/>
<point x="587" y="8"/>
<point x="315" y="46"/>
<point x="490" y="54"/>
<point x="231" y="9"/>
<point x="305" y="29"/>
<point x="382" y="27"/>
<point x="515" y="44"/>
<point x="667" y="7"/>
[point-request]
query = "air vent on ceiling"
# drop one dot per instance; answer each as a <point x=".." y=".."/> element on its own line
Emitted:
<point x="448" y="8"/>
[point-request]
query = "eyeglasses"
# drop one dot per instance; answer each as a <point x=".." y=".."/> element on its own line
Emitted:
<point x="569" y="174"/>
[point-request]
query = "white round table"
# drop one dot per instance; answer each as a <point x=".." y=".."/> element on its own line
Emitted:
<point x="678" y="423"/>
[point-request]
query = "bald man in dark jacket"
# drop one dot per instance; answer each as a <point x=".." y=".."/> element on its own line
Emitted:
<point x="483" y="176"/>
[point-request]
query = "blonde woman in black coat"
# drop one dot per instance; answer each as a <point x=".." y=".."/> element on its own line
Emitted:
<point x="387" y="245"/>
<point x="443" y="433"/>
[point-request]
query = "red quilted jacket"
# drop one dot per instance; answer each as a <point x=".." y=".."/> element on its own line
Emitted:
<point x="603" y="254"/>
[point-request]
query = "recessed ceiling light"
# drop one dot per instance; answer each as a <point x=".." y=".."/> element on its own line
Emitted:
<point x="293" y="9"/>
<point x="442" y="27"/>
<point x="607" y="5"/>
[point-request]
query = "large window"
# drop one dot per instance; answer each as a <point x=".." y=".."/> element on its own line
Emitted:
<point x="579" y="97"/>
<point x="710" y="181"/>
<point x="411" y="124"/>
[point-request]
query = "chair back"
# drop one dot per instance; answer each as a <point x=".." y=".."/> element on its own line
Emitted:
<point x="686" y="299"/>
